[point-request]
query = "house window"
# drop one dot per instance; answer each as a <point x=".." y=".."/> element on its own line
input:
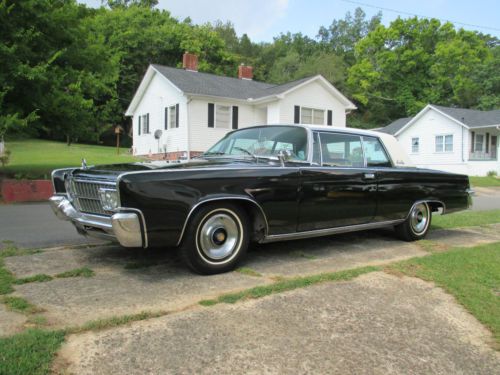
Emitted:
<point x="444" y="143"/>
<point x="415" y="143"/>
<point x="479" y="143"/>
<point x="172" y="117"/>
<point x="312" y="116"/>
<point x="145" y="123"/>
<point x="222" y="116"/>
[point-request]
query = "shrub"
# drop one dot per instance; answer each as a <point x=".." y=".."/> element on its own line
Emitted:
<point x="4" y="158"/>
<point x="492" y="174"/>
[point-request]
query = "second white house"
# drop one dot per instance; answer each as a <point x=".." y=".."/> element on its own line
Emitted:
<point x="179" y="113"/>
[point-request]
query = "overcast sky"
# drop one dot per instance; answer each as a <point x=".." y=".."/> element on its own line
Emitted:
<point x="264" y="19"/>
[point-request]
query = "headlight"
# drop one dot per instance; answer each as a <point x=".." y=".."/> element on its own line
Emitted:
<point x="109" y="199"/>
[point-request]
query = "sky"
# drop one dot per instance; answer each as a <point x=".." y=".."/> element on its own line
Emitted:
<point x="264" y="19"/>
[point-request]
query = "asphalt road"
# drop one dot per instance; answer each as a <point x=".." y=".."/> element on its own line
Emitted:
<point x="35" y="225"/>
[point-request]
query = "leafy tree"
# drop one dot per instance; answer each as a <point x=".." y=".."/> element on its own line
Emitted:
<point x="401" y="68"/>
<point x="342" y="35"/>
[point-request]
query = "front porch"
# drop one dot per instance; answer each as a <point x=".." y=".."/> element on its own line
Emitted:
<point x="484" y="144"/>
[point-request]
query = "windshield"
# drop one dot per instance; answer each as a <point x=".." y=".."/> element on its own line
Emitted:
<point x="263" y="142"/>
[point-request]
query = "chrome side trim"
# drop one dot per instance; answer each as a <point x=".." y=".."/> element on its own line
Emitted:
<point x="141" y="215"/>
<point x="219" y="199"/>
<point x="328" y="231"/>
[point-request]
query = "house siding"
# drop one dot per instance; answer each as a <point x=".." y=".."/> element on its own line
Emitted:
<point x="312" y="95"/>
<point x="201" y="137"/>
<point x="158" y="95"/>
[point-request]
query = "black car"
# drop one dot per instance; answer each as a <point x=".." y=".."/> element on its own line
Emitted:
<point x="259" y="184"/>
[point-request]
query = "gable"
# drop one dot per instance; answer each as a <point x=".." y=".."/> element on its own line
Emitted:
<point x="433" y="121"/>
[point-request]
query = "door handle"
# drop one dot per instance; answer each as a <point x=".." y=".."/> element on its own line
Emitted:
<point x="369" y="176"/>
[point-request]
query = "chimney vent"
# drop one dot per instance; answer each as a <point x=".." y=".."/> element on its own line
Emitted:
<point x="190" y="62"/>
<point x="245" y="72"/>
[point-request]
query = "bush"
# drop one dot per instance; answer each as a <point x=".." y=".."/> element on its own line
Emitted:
<point x="492" y="174"/>
<point x="4" y="158"/>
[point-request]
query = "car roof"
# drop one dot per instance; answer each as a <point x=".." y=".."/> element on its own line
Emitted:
<point x="322" y="128"/>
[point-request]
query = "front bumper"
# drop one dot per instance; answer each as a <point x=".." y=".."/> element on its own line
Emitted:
<point x="124" y="227"/>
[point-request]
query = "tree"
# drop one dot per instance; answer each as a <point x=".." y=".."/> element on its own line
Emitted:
<point x="342" y="35"/>
<point x="401" y="68"/>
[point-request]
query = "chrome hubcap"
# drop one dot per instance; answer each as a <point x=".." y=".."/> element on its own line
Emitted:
<point x="419" y="218"/>
<point x="218" y="236"/>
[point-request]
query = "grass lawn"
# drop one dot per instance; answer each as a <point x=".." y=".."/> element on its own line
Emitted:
<point x="36" y="158"/>
<point x="472" y="275"/>
<point x="484" y="181"/>
<point x="466" y="219"/>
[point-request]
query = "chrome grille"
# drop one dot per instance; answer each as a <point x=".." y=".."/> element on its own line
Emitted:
<point x="85" y="195"/>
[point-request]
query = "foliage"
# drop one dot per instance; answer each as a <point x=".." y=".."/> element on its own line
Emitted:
<point x="492" y="174"/>
<point x="401" y="68"/>
<point x="4" y="157"/>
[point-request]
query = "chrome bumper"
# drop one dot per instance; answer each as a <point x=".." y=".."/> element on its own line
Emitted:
<point x="124" y="227"/>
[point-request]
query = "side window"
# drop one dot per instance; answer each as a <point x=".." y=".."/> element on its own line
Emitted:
<point x="341" y="150"/>
<point x="375" y="153"/>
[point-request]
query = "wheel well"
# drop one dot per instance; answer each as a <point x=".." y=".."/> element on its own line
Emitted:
<point x="252" y="209"/>
<point x="436" y="206"/>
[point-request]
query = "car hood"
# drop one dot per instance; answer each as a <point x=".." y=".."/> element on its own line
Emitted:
<point x="112" y="171"/>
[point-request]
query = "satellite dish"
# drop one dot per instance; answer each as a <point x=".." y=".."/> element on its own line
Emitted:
<point x="158" y="134"/>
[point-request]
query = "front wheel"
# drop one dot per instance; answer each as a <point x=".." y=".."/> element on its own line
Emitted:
<point x="216" y="239"/>
<point x="416" y="226"/>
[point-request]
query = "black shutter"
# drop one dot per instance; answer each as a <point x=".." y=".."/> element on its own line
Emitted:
<point x="471" y="142"/>
<point x="139" y="130"/>
<point x="177" y="115"/>
<point x="296" y="115"/>
<point x="487" y="142"/>
<point x="147" y="123"/>
<point x="329" y="117"/>
<point x="235" y="117"/>
<point x="166" y="118"/>
<point x="210" y="115"/>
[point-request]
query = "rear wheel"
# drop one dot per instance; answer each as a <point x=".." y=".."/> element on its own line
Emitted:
<point x="216" y="238"/>
<point x="416" y="226"/>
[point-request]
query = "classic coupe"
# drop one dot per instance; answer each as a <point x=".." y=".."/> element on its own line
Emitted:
<point x="259" y="184"/>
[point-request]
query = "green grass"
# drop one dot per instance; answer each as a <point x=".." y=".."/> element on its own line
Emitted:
<point x="30" y="352"/>
<point x="466" y="219"/>
<point x="115" y="321"/>
<point x="248" y="271"/>
<point x="472" y="275"/>
<point x="35" y="158"/>
<point x="77" y="272"/>
<point x="40" y="278"/>
<point x="484" y="181"/>
<point x="288" y="284"/>
<point x="19" y="304"/>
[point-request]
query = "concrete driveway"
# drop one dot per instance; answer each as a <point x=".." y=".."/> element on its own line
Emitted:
<point x="375" y="324"/>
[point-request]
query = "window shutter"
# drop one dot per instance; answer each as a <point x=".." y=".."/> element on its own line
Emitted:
<point x="147" y="123"/>
<point x="211" y="115"/>
<point x="139" y="128"/>
<point x="472" y="141"/>
<point x="296" y="115"/>
<point x="166" y="118"/>
<point x="487" y="142"/>
<point x="329" y="117"/>
<point x="235" y="117"/>
<point x="177" y="115"/>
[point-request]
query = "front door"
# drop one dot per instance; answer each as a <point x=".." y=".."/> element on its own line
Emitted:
<point x="340" y="190"/>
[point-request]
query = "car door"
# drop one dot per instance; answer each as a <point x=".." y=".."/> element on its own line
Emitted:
<point x="338" y="189"/>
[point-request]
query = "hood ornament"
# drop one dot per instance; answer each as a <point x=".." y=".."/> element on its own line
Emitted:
<point x="84" y="163"/>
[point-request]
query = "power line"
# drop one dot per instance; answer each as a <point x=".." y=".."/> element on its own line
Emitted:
<point x="419" y="15"/>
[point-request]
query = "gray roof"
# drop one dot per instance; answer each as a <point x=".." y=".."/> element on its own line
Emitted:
<point x="473" y="118"/>
<point x="395" y="126"/>
<point x="198" y="83"/>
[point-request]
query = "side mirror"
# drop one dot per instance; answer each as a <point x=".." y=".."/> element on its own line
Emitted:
<point x="284" y="155"/>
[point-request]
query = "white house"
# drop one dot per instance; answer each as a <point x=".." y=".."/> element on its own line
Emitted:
<point x="179" y="113"/>
<point x="451" y="139"/>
